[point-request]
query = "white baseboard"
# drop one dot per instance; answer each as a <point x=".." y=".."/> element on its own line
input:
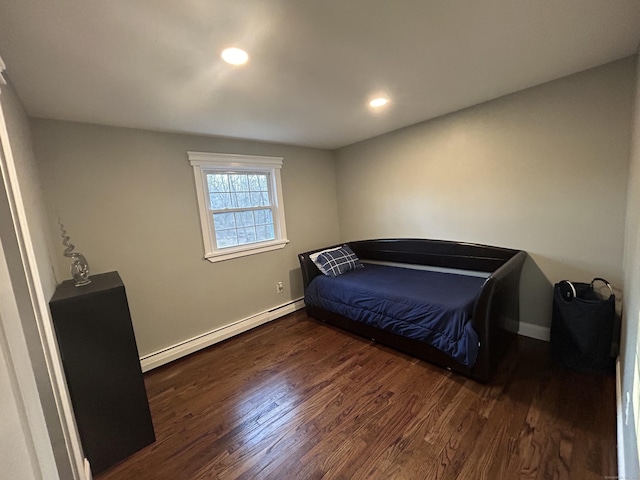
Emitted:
<point x="619" y="423"/>
<point x="534" y="331"/>
<point x="169" y="354"/>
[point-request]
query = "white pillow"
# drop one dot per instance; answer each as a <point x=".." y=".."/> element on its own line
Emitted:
<point x="314" y="256"/>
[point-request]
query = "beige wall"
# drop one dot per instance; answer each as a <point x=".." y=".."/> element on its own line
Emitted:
<point x="543" y="170"/>
<point x="127" y="199"/>
<point x="631" y="313"/>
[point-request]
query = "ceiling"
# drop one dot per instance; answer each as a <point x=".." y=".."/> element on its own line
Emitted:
<point x="313" y="64"/>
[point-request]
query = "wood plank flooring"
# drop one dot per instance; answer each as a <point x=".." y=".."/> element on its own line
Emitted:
<point x="297" y="399"/>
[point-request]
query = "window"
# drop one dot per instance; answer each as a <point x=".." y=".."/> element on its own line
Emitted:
<point x="240" y="201"/>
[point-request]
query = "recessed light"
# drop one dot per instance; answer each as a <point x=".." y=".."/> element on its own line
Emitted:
<point x="235" y="56"/>
<point x="378" y="102"/>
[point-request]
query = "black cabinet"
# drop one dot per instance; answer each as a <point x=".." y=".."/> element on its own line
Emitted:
<point x="101" y="364"/>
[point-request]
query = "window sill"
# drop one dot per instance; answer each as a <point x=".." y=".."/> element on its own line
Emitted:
<point x="228" y="254"/>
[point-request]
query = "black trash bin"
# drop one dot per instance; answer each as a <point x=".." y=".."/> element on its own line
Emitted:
<point x="582" y="327"/>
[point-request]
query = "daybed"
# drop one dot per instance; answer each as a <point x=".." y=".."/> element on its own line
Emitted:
<point x="449" y="303"/>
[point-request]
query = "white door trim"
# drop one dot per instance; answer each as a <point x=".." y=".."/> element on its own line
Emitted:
<point x="21" y="289"/>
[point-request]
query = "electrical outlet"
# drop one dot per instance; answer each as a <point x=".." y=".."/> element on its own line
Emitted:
<point x="279" y="287"/>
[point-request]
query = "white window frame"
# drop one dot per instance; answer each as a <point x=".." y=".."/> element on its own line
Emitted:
<point x="204" y="163"/>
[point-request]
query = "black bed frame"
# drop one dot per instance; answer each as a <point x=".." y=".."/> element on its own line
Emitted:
<point x="496" y="313"/>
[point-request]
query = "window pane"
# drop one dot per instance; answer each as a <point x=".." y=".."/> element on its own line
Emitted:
<point x="264" y="233"/>
<point x="258" y="183"/>
<point x="220" y="201"/>
<point x="226" y="238"/>
<point x="260" y="199"/>
<point x="218" y="182"/>
<point x="262" y="217"/>
<point x="246" y="235"/>
<point x="239" y="183"/>
<point x="224" y="221"/>
<point x="244" y="219"/>
<point x="242" y="200"/>
<point x="254" y="182"/>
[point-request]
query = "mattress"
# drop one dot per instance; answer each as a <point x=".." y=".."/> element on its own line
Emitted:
<point x="431" y="307"/>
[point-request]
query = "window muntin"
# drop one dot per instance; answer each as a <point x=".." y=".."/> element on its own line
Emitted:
<point x="240" y="201"/>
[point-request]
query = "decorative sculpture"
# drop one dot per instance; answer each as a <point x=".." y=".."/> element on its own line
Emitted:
<point x="79" y="264"/>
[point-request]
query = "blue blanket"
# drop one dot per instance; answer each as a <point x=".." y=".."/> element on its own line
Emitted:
<point x="431" y="307"/>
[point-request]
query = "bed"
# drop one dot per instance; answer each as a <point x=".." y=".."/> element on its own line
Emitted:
<point x="450" y="303"/>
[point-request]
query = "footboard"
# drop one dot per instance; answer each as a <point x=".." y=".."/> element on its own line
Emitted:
<point x="496" y="313"/>
<point x="496" y="316"/>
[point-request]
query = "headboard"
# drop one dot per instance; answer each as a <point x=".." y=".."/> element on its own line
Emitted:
<point x="419" y="251"/>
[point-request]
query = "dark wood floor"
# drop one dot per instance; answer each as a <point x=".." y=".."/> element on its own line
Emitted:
<point x="296" y="399"/>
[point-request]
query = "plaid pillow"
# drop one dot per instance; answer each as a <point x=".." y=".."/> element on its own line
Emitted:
<point x="337" y="261"/>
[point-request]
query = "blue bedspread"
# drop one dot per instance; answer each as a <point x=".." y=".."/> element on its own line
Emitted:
<point x="431" y="307"/>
